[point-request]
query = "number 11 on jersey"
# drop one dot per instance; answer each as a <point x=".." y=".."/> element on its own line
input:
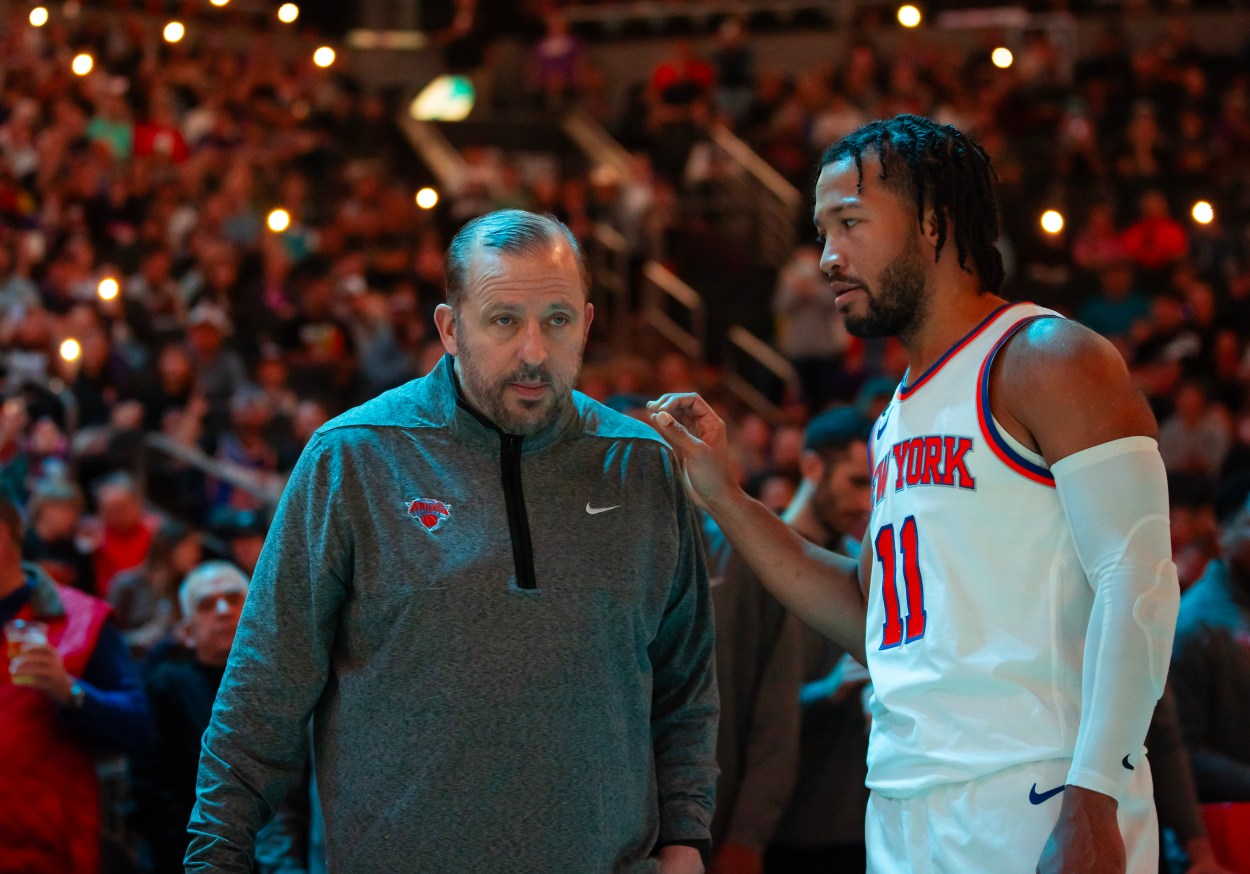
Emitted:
<point x="888" y="553"/>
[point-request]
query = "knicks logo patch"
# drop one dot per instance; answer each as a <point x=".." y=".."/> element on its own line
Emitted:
<point x="429" y="513"/>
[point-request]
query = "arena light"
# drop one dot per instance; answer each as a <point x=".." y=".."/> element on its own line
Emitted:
<point x="38" y="16"/>
<point x="323" y="57"/>
<point x="1001" y="58"/>
<point x="427" y="198"/>
<point x="278" y="220"/>
<point x="108" y="288"/>
<point x="1052" y="221"/>
<point x="70" y="350"/>
<point x="447" y="98"/>
<point x="908" y="16"/>
<point x="174" y="32"/>
<point x="219" y="3"/>
<point x="287" y="13"/>
<point x="1203" y="213"/>
<point x="82" y="64"/>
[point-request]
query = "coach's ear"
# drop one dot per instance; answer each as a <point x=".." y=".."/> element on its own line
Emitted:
<point x="445" y="321"/>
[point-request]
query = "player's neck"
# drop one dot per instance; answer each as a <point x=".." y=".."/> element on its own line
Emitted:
<point x="951" y="318"/>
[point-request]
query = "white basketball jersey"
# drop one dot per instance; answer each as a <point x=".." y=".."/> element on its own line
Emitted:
<point x="978" y="605"/>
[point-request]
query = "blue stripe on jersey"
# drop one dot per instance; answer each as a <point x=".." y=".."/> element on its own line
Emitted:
<point x="905" y="391"/>
<point x="1004" y="450"/>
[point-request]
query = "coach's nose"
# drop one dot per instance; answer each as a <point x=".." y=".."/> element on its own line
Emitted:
<point x="533" y="351"/>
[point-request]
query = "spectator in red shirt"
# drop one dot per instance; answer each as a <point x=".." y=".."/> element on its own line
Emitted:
<point x="1155" y="240"/>
<point x="684" y="76"/>
<point x="159" y="136"/>
<point x="122" y="534"/>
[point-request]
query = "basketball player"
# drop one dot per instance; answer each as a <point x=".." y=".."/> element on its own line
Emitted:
<point x="1015" y="597"/>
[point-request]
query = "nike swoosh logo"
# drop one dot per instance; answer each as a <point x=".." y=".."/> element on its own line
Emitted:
<point x="1036" y="797"/>
<point x="594" y="511"/>
<point x="885" y="419"/>
<point x="1127" y="765"/>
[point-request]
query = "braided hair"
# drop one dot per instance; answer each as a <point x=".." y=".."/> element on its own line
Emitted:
<point x="939" y="167"/>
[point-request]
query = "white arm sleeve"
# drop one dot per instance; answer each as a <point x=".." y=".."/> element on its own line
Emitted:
<point x="1115" y="498"/>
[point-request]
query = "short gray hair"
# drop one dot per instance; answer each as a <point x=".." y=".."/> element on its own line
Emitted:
<point x="512" y="231"/>
<point x="207" y="572"/>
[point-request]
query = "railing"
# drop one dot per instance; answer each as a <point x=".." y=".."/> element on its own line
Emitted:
<point x="749" y="200"/>
<point x="437" y="153"/>
<point x="614" y="17"/>
<point x="743" y="343"/>
<point x="609" y="271"/>
<point x="267" y="491"/>
<point x="597" y="144"/>
<point x="663" y="292"/>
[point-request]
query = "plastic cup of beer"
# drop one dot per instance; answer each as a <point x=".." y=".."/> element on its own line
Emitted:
<point x="21" y="633"/>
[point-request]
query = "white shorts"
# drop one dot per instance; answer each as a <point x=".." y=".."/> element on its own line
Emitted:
<point x="997" y="824"/>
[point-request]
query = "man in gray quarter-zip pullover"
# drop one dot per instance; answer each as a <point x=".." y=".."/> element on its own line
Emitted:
<point x="487" y="591"/>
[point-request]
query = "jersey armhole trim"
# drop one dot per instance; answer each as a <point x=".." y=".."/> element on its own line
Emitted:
<point x="1004" y="451"/>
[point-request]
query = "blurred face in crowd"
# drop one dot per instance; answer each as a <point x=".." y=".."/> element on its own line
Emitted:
<point x="119" y="508"/>
<point x="843" y="488"/>
<point x="186" y="554"/>
<point x="174" y="367"/>
<point x="216" y="604"/>
<point x="245" y="550"/>
<point x="205" y="338"/>
<point x="776" y="492"/>
<point x="518" y="335"/>
<point x="872" y="253"/>
<point x="56" y="519"/>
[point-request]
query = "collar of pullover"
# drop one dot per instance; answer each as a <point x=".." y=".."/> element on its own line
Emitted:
<point x="473" y="427"/>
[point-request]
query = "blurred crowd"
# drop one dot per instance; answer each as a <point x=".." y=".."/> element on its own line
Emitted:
<point x="165" y="355"/>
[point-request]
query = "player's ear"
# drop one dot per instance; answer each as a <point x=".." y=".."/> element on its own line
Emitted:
<point x="929" y="227"/>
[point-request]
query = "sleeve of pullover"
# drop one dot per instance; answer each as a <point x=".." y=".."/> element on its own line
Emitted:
<point x="256" y="744"/>
<point x="684" y="699"/>
<point x="1175" y="794"/>
<point x="772" y="745"/>
<point x="1201" y="662"/>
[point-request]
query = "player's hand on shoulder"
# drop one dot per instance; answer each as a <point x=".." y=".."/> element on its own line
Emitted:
<point x="701" y="440"/>
<point x="1086" y="839"/>
<point x="1060" y="388"/>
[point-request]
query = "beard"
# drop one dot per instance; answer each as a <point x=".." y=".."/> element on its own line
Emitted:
<point x="493" y="396"/>
<point x="901" y="303"/>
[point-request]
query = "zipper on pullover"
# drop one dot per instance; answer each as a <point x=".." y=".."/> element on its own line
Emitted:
<point x="518" y="518"/>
